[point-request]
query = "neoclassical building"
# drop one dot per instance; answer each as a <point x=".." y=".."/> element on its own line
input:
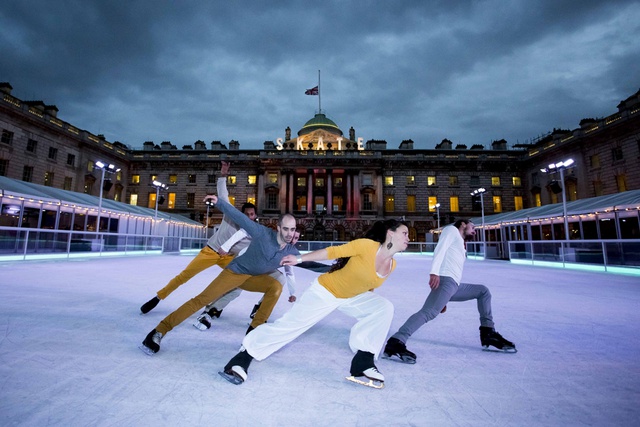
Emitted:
<point x="335" y="184"/>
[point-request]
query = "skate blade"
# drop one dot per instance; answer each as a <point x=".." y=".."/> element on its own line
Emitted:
<point x="146" y="350"/>
<point x="232" y="378"/>
<point x="398" y="359"/>
<point x="500" y="350"/>
<point x="200" y="326"/>
<point x="366" y="381"/>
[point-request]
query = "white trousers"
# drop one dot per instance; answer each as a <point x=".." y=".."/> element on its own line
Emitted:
<point x="373" y="313"/>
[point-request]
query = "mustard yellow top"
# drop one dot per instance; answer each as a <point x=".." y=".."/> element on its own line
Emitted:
<point x="359" y="275"/>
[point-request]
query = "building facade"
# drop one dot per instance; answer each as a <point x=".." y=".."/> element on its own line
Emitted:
<point x="336" y="185"/>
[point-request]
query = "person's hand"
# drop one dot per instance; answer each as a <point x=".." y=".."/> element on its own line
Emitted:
<point x="224" y="169"/>
<point x="434" y="281"/>
<point x="292" y="298"/>
<point x="211" y="197"/>
<point x="289" y="260"/>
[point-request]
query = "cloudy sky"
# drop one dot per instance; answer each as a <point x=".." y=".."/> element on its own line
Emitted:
<point x="182" y="71"/>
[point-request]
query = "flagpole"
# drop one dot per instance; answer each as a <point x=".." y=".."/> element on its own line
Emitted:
<point x="319" y="96"/>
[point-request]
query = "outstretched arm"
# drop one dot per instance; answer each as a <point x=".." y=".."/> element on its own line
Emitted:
<point x="319" y="255"/>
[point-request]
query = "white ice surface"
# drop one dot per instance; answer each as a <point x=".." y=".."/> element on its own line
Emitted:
<point x="70" y="330"/>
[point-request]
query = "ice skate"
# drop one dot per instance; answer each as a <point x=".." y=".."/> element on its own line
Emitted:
<point x="490" y="338"/>
<point x="151" y="343"/>
<point x="236" y="370"/>
<point x="364" y="371"/>
<point x="203" y="322"/>
<point x="149" y="305"/>
<point x="255" y="310"/>
<point x="397" y="351"/>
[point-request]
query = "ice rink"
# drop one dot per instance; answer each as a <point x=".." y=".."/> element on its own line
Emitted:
<point x="70" y="330"/>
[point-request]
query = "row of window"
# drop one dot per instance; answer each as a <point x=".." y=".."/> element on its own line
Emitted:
<point x="516" y="181"/>
<point x="32" y="147"/>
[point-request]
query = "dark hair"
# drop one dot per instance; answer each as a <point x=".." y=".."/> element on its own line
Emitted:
<point x="248" y="206"/>
<point x="377" y="232"/>
<point x="459" y="222"/>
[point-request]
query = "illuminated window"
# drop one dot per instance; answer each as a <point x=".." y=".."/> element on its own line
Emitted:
<point x="301" y="203"/>
<point x="232" y="200"/>
<point x="454" y="203"/>
<point x="337" y="203"/>
<point x="495" y="181"/>
<point x="497" y="203"/>
<point x="133" y="200"/>
<point x="453" y="180"/>
<point x="251" y="198"/>
<point x="272" y="178"/>
<point x="389" y="203"/>
<point x="318" y="201"/>
<point x="411" y="180"/>
<point x="231" y="180"/>
<point x="90" y="166"/>
<point x="411" y="203"/>
<point x="388" y="180"/>
<point x="173" y="179"/>
<point x="171" y="203"/>
<point x="517" y="182"/>
<point x="319" y="182"/>
<point x="621" y="182"/>
<point x="153" y="178"/>
<point x="432" y="203"/>
<point x="152" y="200"/>
<point x="302" y="181"/>
<point x="431" y="180"/>
<point x="517" y="201"/>
<point x="252" y="179"/>
<point x="537" y="200"/>
<point x="135" y="179"/>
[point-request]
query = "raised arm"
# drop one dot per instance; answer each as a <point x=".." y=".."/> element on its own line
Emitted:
<point x="221" y="184"/>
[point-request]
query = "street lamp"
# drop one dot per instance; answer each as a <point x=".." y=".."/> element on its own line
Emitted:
<point x="480" y="191"/>
<point x="437" y="206"/>
<point x="105" y="168"/>
<point x="561" y="166"/>
<point x="158" y="186"/>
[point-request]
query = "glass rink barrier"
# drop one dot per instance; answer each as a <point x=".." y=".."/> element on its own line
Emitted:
<point x="31" y="244"/>
<point x="615" y="256"/>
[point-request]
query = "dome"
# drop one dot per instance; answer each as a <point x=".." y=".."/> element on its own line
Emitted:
<point x="320" y="121"/>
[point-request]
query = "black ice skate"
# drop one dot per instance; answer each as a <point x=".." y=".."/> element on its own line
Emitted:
<point x="151" y="344"/>
<point x="490" y="338"/>
<point x="149" y="305"/>
<point x="364" y="371"/>
<point x="255" y="310"/>
<point x="203" y="322"/>
<point x="236" y="370"/>
<point x="397" y="351"/>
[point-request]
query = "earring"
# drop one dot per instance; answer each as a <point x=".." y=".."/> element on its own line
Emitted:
<point x="389" y="245"/>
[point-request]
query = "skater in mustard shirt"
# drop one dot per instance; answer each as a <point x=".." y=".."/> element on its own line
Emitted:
<point x="348" y="288"/>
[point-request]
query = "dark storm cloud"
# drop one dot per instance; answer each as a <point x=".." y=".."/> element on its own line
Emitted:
<point x="470" y="71"/>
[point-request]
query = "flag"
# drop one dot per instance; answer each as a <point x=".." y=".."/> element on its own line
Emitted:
<point x="312" y="91"/>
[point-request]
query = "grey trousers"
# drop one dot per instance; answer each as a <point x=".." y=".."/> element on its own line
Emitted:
<point x="448" y="290"/>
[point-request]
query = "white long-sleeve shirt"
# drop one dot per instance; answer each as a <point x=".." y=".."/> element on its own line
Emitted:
<point x="449" y="255"/>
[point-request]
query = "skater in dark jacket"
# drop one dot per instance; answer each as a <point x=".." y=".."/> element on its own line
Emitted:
<point x="348" y="288"/>
<point x="444" y="280"/>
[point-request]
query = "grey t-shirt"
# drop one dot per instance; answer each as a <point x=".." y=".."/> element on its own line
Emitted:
<point x="263" y="255"/>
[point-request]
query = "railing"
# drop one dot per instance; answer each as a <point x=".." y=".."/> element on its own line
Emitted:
<point x="417" y="247"/>
<point x="603" y="255"/>
<point x="33" y="243"/>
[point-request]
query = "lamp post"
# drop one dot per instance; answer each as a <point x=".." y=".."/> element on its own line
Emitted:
<point x="560" y="167"/>
<point x="158" y="186"/>
<point x="105" y="168"/>
<point x="480" y="191"/>
<point x="437" y="206"/>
